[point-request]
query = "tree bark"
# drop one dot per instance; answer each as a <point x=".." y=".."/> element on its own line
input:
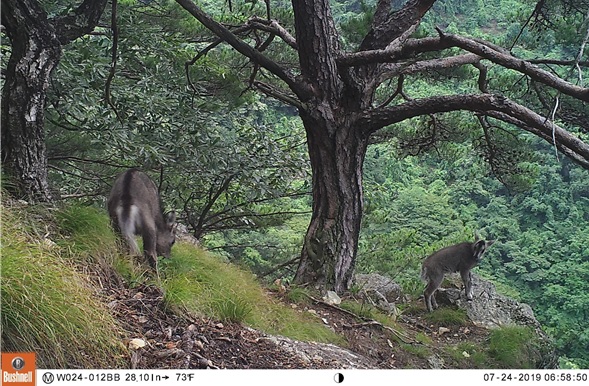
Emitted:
<point x="36" y="45"/>
<point x="337" y="154"/>
<point x="35" y="53"/>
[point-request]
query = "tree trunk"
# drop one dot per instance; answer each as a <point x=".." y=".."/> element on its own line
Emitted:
<point x="35" y="53"/>
<point x="337" y="150"/>
<point x="36" y="45"/>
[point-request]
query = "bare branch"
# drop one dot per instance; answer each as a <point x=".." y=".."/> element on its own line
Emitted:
<point x="398" y="91"/>
<point x="580" y="54"/>
<point x="113" y="60"/>
<point x="428" y="65"/>
<point x="559" y="62"/>
<point x="393" y="53"/>
<point x="276" y="93"/>
<point x="482" y="81"/>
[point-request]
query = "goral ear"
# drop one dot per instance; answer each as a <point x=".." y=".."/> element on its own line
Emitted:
<point x="171" y="219"/>
<point x="477" y="237"/>
<point x="490" y="242"/>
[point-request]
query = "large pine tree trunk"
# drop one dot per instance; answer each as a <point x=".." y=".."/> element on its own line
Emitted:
<point x="337" y="151"/>
<point x="35" y="53"/>
<point x="337" y="148"/>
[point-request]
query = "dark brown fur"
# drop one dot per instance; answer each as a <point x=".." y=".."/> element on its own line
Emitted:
<point x="135" y="209"/>
<point x="461" y="258"/>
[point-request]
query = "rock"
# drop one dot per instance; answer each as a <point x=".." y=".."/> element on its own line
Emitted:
<point x="435" y="362"/>
<point x="313" y="353"/>
<point x="490" y="309"/>
<point x="136" y="344"/>
<point x="379" y="290"/>
<point x="332" y="298"/>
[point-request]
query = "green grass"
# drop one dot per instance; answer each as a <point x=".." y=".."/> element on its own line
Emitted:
<point x="513" y="346"/>
<point x="206" y="285"/>
<point x="419" y="350"/>
<point x="447" y="317"/>
<point x="87" y="231"/>
<point x="469" y="352"/>
<point x="48" y="306"/>
<point x="298" y="295"/>
<point x="362" y="310"/>
<point x="90" y="239"/>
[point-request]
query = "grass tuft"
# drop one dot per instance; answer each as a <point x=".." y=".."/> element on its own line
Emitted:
<point x="87" y="230"/>
<point x="470" y="353"/>
<point x="513" y="347"/>
<point x="448" y="317"/>
<point x="48" y="306"/>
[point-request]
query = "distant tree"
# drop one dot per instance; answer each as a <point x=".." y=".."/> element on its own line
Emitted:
<point x="36" y="43"/>
<point x="339" y="96"/>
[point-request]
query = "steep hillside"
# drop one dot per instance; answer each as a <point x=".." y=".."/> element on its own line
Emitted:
<point x="63" y="267"/>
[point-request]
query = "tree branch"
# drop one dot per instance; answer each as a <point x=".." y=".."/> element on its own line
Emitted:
<point x="486" y="104"/>
<point x="244" y="48"/>
<point x="273" y="27"/>
<point x="278" y="94"/>
<point x="517" y="64"/>
<point x="390" y="54"/>
<point x="113" y="60"/>
<point x="396" y="69"/>
<point x="388" y="26"/>
<point x="80" y="21"/>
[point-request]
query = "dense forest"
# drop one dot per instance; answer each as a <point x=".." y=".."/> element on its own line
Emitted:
<point x="151" y="88"/>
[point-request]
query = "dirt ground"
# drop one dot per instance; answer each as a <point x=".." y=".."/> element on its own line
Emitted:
<point x="182" y="342"/>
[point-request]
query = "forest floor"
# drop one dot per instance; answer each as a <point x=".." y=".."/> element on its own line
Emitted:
<point x="175" y="340"/>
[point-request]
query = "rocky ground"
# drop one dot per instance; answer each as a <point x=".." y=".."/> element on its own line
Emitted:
<point x="165" y="340"/>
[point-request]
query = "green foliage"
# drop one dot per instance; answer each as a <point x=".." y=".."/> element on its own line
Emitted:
<point x="512" y="347"/>
<point x="47" y="306"/>
<point x="224" y="157"/>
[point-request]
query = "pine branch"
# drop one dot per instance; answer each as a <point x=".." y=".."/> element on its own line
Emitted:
<point x="489" y="104"/>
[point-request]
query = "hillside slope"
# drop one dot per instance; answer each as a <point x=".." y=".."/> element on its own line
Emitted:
<point x="203" y="312"/>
